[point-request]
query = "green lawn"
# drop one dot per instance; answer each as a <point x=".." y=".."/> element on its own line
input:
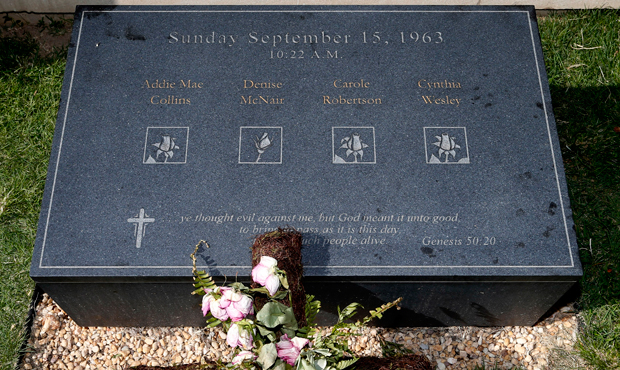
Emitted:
<point x="29" y="95"/>
<point x="582" y="54"/>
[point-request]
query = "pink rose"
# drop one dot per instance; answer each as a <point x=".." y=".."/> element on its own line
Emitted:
<point x="218" y="311"/>
<point x="289" y="349"/>
<point x="237" y="304"/>
<point x="206" y="302"/>
<point x="242" y="356"/>
<point x="264" y="274"/>
<point x="232" y="304"/>
<point x="239" y="337"/>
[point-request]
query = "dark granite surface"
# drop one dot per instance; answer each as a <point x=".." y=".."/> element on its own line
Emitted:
<point x="402" y="141"/>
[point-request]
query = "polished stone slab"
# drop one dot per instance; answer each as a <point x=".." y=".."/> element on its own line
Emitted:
<point x="414" y="147"/>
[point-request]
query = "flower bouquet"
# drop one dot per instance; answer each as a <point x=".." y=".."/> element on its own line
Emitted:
<point x="261" y="323"/>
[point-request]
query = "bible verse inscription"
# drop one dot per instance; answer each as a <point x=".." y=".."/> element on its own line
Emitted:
<point x="351" y="228"/>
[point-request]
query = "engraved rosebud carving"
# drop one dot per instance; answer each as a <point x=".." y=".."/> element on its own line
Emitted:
<point x="166" y="147"/>
<point x="354" y="145"/>
<point x="446" y="145"/>
<point x="262" y="144"/>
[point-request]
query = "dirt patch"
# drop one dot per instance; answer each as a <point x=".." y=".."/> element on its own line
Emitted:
<point x="52" y="32"/>
<point x="406" y="362"/>
<point x="208" y="366"/>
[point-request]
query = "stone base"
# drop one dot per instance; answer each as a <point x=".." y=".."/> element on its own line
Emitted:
<point x="425" y="303"/>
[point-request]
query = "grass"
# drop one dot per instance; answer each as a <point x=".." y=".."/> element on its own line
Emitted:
<point x="29" y="95"/>
<point x="599" y="344"/>
<point x="582" y="54"/>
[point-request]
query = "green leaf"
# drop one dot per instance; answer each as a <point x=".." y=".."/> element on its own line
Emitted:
<point x="392" y="349"/>
<point x="199" y="291"/>
<point x="303" y="364"/>
<point x="346" y="363"/>
<point x="320" y="364"/>
<point x="212" y="322"/>
<point x="323" y="351"/>
<point x="259" y="290"/>
<point x="312" y="309"/>
<point x="348" y="311"/>
<point x="280" y="365"/>
<point x="263" y="330"/>
<point x="201" y="278"/>
<point x="268" y="355"/>
<point x="281" y="294"/>
<point x="267" y="333"/>
<point x="303" y="332"/>
<point x="274" y="314"/>
<point x="283" y="280"/>
<point x="271" y="315"/>
<point x="378" y="312"/>
<point x="288" y="331"/>
<point x="239" y="286"/>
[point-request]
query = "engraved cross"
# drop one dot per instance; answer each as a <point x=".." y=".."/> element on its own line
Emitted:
<point x="140" y="222"/>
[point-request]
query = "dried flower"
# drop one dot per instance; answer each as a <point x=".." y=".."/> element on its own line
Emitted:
<point x="289" y="349"/>
<point x="225" y="303"/>
<point x="239" y="337"/>
<point x="265" y="275"/>
<point x="242" y="356"/>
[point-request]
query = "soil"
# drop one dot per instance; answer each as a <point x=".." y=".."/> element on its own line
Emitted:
<point x="405" y="362"/>
<point x="206" y="366"/>
<point x="51" y="32"/>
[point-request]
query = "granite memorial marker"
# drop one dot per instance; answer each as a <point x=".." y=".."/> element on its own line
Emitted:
<point x="414" y="147"/>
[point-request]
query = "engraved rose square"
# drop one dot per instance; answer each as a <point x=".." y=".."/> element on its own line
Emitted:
<point x="446" y="145"/>
<point x="353" y="145"/>
<point x="166" y="145"/>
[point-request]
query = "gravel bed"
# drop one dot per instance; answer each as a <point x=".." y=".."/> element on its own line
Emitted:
<point x="57" y="342"/>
